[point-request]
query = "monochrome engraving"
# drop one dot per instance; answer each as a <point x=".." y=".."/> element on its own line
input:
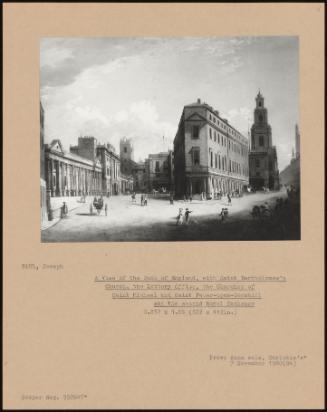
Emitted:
<point x="169" y="139"/>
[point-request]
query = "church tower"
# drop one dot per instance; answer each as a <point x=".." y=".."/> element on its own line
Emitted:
<point x="263" y="166"/>
<point x="261" y="130"/>
<point x="126" y="156"/>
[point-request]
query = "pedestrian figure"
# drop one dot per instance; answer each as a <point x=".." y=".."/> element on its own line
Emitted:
<point x="133" y="197"/>
<point x="64" y="210"/>
<point x="171" y="199"/>
<point x="256" y="212"/>
<point x="106" y="209"/>
<point x="184" y="198"/>
<point x="187" y="215"/>
<point x="142" y="199"/>
<point x="190" y="198"/>
<point x="179" y="220"/>
<point x="223" y="214"/>
<point x="229" y="199"/>
<point x="145" y="200"/>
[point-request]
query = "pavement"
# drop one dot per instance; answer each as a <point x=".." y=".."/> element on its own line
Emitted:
<point x="127" y="221"/>
<point x="56" y="203"/>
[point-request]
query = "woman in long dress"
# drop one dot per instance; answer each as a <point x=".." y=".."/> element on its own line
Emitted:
<point x="180" y="217"/>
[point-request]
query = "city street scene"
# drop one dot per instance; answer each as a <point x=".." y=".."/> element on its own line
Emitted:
<point x="169" y="139"/>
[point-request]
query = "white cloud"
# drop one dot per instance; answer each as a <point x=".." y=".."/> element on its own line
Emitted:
<point x="139" y="121"/>
<point x="240" y="118"/>
<point x="136" y="87"/>
<point x="54" y="56"/>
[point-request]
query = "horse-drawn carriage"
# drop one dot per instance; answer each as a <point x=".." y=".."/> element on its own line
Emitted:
<point x="98" y="204"/>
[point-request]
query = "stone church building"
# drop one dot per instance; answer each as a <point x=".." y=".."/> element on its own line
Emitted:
<point x="263" y="166"/>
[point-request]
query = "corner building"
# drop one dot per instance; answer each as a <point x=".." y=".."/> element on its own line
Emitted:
<point x="159" y="171"/>
<point x="263" y="155"/>
<point x="210" y="155"/>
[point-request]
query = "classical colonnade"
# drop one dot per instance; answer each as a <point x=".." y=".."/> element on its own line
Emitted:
<point x="67" y="178"/>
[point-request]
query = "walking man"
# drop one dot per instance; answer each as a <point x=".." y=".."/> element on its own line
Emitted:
<point x="187" y="215"/>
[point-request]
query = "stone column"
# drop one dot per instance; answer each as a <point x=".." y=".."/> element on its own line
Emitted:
<point x="56" y="170"/>
<point x="208" y="187"/>
<point x="68" y="179"/>
<point x="50" y="177"/>
<point x="59" y="185"/>
<point x="204" y="185"/>
<point x="76" y="181"/>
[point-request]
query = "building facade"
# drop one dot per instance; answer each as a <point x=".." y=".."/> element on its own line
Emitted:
<point x="210" y="155"/>
<point x="140" y="177"/>
<point x="159" y="171"/>
<point x="263" y="163"/>
<point x="111" y="175"/>
<point x="68" y="174"/>
<point x="43" y="188"/>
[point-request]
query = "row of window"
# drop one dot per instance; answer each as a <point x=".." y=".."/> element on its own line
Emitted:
<point x="258" y="163"/>
<point x="235" y="147"/>
<point x="164" y="165"/>
<point x="219" y="162"/>
<point x="216" y="137"/>
<point x="261" y="141"/>
<point x="114" y="169"/>
<point x="223" y="126"/>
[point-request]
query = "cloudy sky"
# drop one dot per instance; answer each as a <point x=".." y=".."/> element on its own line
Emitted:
<point x="136" y="87"/>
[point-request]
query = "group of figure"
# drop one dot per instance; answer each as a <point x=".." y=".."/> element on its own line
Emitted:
<point x="262" y="211"/>
<point x="218" y="195"/>
<point x="144" y="200"/>
<point x="223" y="214"/>
<point x="187" y="198"/>
<point x="281" y="203"/>
<point x="98" y="204"/>
<point x="236" y="193"/>
<point x="183" y="217"/>
<point x="292" y="192"/>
